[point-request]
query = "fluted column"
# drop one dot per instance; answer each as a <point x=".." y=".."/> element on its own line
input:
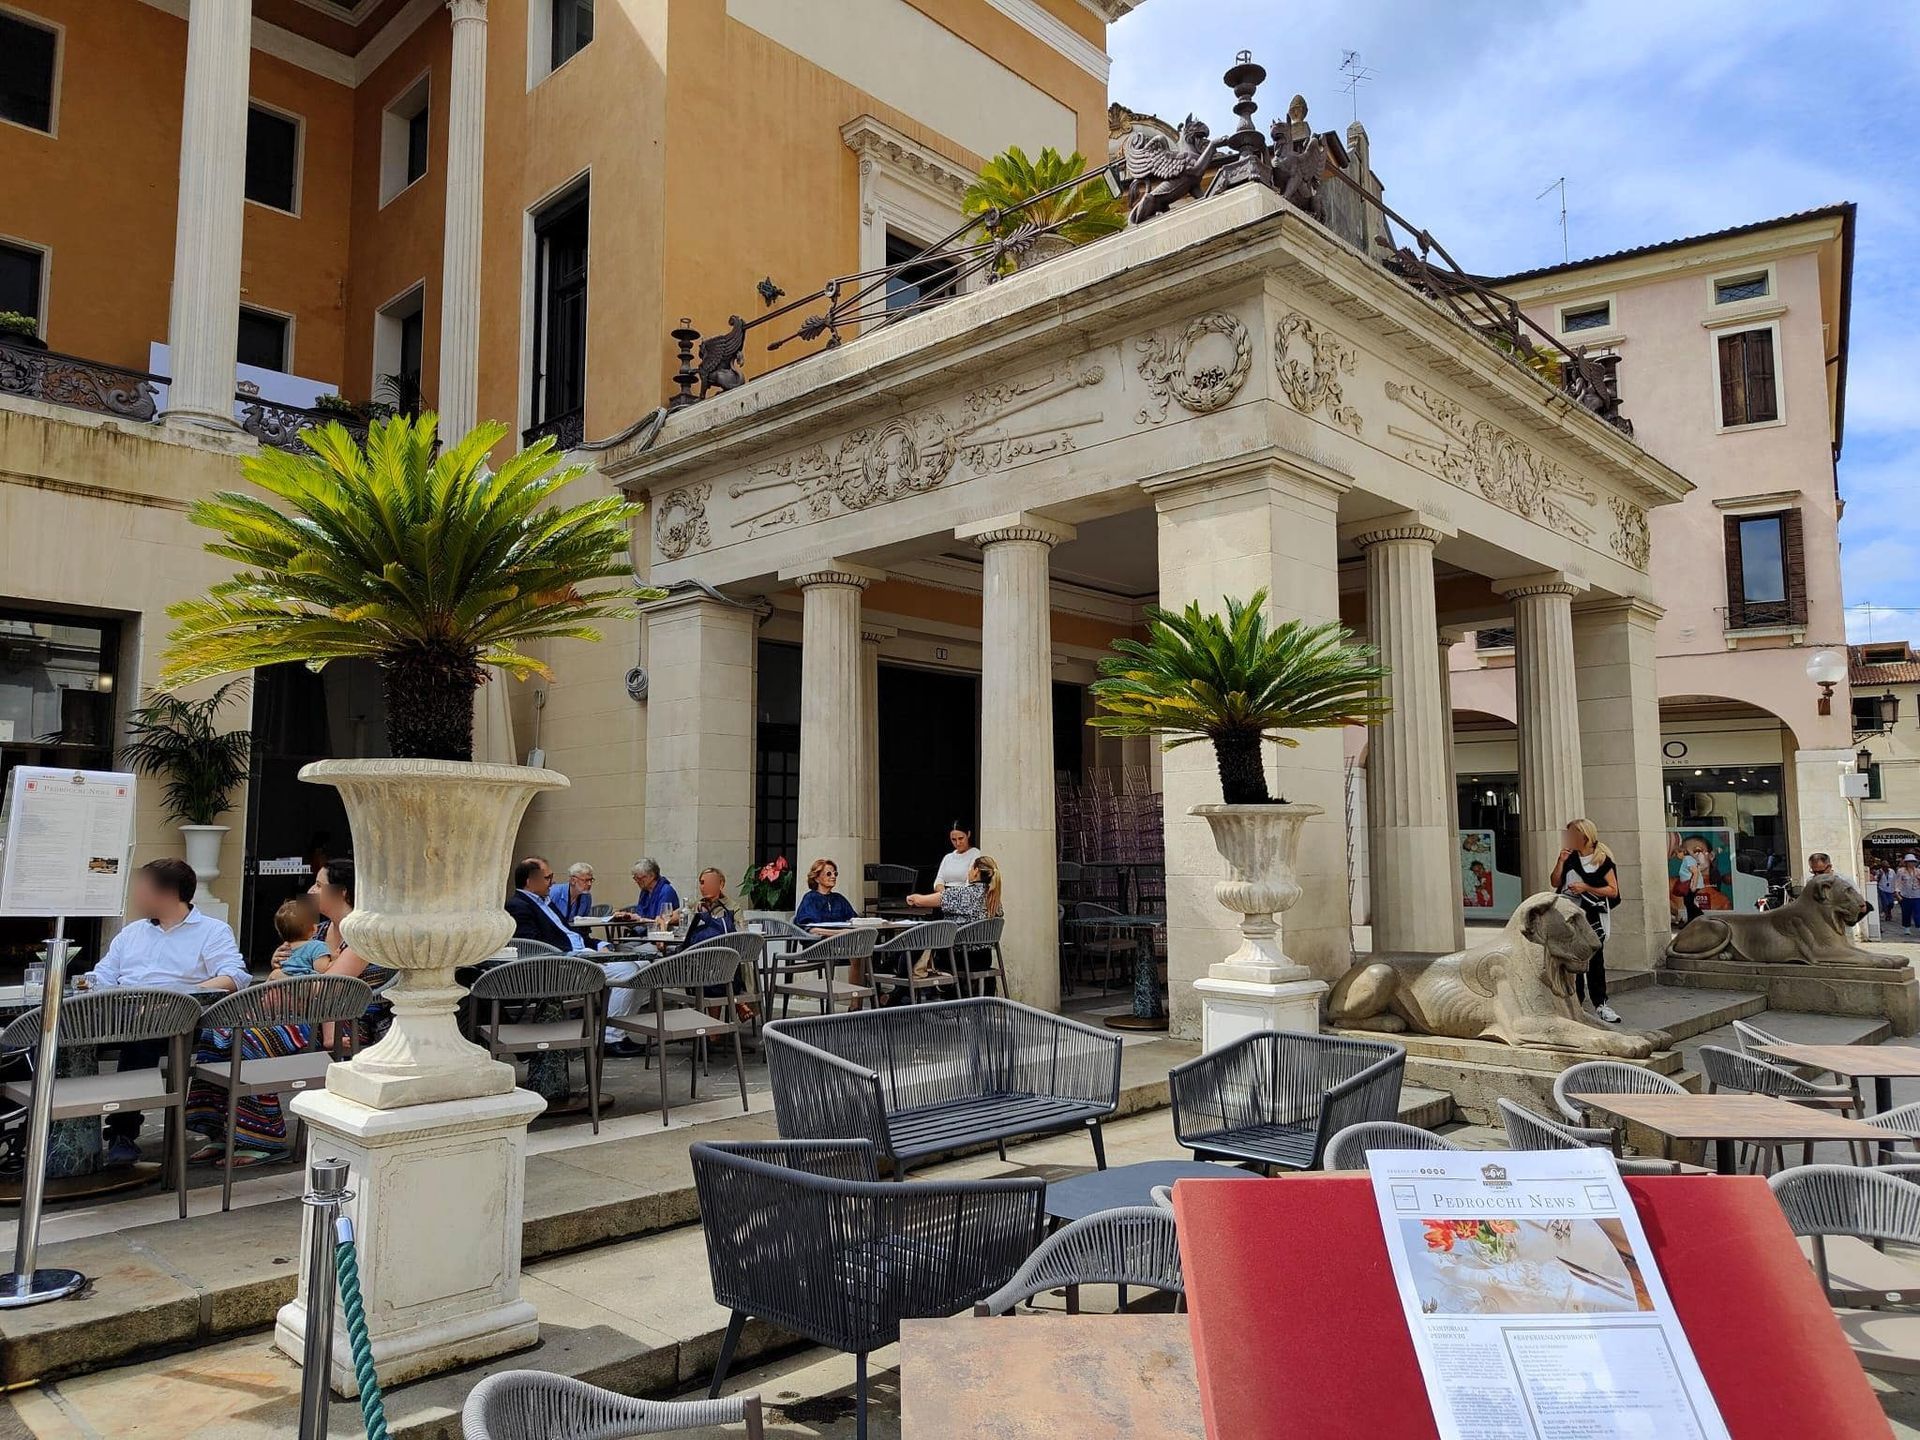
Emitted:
<point x="1410" y="850"/>
<point x="1017" y="823"/>
<point x="1547" y="715"/>
<point x="1447" y="642"/>
<point x="871" y="639"/>
<point x="833" y="804"/>
<point x="458" y="400"/>
<point x="203" y="326"/>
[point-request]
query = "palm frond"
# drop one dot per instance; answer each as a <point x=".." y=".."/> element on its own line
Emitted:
<point x="1010" y="179"/>
<point x="199" y="764"/>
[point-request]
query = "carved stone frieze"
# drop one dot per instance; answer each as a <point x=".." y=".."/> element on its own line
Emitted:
<point x="1201" y="367"/>
<point x="680" y="521"/>
<point x="1314" y="382"/>
<point x="1630" y="540"/>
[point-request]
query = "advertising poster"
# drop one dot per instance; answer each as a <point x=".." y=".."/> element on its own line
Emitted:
<point x="66" y="842"/>
<point x="1700" y="871"/>
<point x="1476" y="871"/>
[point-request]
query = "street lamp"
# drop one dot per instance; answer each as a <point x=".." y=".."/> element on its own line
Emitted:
<point x="1827" y="668"/>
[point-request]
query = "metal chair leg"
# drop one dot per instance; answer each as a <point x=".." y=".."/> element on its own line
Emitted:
<point x="736" y="1322"/>
<point x="233" y="1117"/>
<point x="860" y="1395"/>
<point x="1099" y="1146"/>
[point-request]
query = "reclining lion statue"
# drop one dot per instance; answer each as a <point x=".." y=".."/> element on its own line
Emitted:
<point x="1810" y="929"/>
<point x="1516" y="988"/>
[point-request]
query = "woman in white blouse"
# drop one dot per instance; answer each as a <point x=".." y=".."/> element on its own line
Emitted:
<point x="955" y="864"/>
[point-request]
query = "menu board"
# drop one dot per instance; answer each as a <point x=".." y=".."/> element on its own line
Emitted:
<point x="66" y="843"/>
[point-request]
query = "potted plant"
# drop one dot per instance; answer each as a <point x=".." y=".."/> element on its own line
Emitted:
<point x="201" y="764"/>
<point x="433" y="564"/>
<point x="21" y="330"/>
<point x="331" y="404"/>
<point x="1078" y="214"/>
<point x="769" y="886"/>
<point x="1237" y="682"/>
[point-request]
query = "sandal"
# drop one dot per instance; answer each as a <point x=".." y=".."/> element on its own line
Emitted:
<point x="248" y="1156"/>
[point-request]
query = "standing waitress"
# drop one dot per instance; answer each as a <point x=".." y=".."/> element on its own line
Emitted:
<point x="1585" y="871"/>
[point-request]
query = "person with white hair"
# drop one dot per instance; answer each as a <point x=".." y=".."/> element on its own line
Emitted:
<point x="657" y="895"/>
<point x="576" y="899"/>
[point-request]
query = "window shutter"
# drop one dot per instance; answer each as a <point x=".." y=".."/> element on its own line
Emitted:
<point x="1793" y="557"/>
<point x="1761" y="402"/>
<point x="1736" y="582"/>
<point x="1732" y="412"/>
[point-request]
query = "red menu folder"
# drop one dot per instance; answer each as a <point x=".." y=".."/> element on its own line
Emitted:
<point x="1298" y="1331"/>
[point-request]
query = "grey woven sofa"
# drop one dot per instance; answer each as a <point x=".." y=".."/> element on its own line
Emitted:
<point x="920" y="1080"/>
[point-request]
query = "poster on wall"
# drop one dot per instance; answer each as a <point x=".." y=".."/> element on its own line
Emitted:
<point x="66" y="840"/>
<point x="1700" y="871"/>
<point x="1476" y="870"/>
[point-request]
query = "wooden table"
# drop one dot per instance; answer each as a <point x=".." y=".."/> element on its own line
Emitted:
<point x="1049" y="1377"/>
<point x="1730" y="1120"/>
<point x="1883" y="1064"/>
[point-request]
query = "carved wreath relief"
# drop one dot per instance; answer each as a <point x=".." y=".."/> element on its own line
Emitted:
<point x="1203" y="368"/>
<point x="1630" y="540"/>
<point x="1315" y="381"/>
<point x="680" y="523"/>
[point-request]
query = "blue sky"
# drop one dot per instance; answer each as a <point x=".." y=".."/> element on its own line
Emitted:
<point x="1666" y="119"/>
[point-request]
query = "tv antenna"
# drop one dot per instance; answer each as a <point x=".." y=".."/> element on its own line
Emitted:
<point x="1561" y="186"/>
<point x="1356" y="75"/>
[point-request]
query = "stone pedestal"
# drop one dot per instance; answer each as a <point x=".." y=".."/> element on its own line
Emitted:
<point x="437" y="1202"/>
<point x="1238" y="1000"/>
<point x="1867" y="990"/>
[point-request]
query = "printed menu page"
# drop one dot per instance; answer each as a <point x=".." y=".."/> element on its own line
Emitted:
<point x="66" y="843"/>
<point x="1536" y="1309"/>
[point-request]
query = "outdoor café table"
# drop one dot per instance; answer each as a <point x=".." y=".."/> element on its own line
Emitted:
<point x="1049" y="1377"/>
<point x="1148" y="1013"/>
<point x="1079" y="1196"/>
<point x="1883" y="1064"/>
<point x="1732" y="1120"/>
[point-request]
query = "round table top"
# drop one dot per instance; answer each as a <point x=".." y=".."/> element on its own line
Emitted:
<point x="1097" y="1190"/>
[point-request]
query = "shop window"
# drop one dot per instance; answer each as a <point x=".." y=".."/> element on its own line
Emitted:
<point x="1766" y="574"/>
<point x="263" y="339"/>
<point x="29" y="62"/>
<point x="918" y="283"/>
<point x="273" y="159"/>
<point x="1734" y="816"/>
<point x="22" y="273"/>
<point x="1748" y="393"/>
<point x="403" y="139"/>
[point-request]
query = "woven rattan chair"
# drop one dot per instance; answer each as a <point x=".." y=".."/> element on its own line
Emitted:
<point x="1133" y="1245"/>
<point x="564" y="987"/>
<point x="904" y="949"/>
<point x="980" y="938"/>
<point x="534" y="1405"/>
<point x="528" y="949"/>
<point x="124" y="1016"/>
<point x="918" y="1080"/>
<point x="1528" y="1131"/>
<point x="1348" y="1150"/>
<point x="1748" y="1036"/>
<point x="679" y="988"/>
<point x="1276" y="1098"/>
<point x="1606" y="1077"/>
<point x="1751" y="1075"/>
<point x="809" y="972"/>
<point x="804" y="1236"/>
<point x="1904" y="1119"/>
<point x="1821" y="1201"/>
<point x="310" y="1001"/>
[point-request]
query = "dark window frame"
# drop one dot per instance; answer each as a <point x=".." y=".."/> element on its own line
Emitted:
<point x="559" y="381"/>
<point x="1749" y="372"/>
<point x="21" y="104"/>
<point x="1596" y="316"/>
<point x="255" y="179"/>
<point x="901" y="248"/>
<point x="37" y="291"/>
<point x="419" y="141"/>
<point x="1754" y="286"/>
<point x="1744" y="613"/>
<point x="285" y="326"/>
<point x="564" y="37"/>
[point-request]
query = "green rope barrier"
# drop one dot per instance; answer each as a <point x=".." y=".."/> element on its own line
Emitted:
<point x="373" y="1410"/>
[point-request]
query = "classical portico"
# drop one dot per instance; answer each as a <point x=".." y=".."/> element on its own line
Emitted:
<point x="1233" y="393"/>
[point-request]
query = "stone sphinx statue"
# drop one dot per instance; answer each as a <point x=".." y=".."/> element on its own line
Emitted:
<point x="1516" y="989"/>
<point x="1810" y="929"/>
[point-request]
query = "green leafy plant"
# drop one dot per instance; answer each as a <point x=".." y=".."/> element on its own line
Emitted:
<point x="335" y="405"/>
<point x="12" y="322"/>
<point x="769" y="886"/>
<point x="431" y="565"/>
<point x="1236" y="681"/>
<point x="397" y="394"/>
<point x="1085" y="212"/>
<point x="178" y="740"/>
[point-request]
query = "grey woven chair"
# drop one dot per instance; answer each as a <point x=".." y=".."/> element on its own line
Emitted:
<point x="1116" y="947"/>
<point x="1824" y="1200"/>
<point x="1606" y="1077"/>
<point x="891" y="883"/>
<point x="125" y="1016"/>
<point x="1751" y="1075"/>
<point x="1276" y="1097"/>
<point x="528" y="949"/>
<point x="564" y="988"/>
<point x="310" y="1001"/>
<point x="1905" y="1119"/>
<point x="1528" y="1131"/>
<point x="980" y="937"/>
<point x="904" y="949"/>
<point x="919" y="1080"/>
<point x="1132" y="1245"/>
<point x="804" y="1236"/>
<point x="1748" y="1036"/>
<point x="534" y="1405"/>
<point x="1348" y="1149"/>
<point x="680" y="987"/>
<point x="809" y="972"/>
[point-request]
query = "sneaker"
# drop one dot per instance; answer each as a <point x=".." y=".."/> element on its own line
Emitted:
<point x="1608" y="1014"/>
<point x="626" y="1050"/>
<point x="121" y="1153"/>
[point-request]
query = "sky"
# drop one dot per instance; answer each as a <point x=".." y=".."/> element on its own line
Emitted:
<point x="1666" y="119"/>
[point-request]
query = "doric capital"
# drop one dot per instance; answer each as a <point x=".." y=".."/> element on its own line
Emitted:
<point x="1366" y="535"/>
<point x="1021" y="525"/>
<point x="831" y="572"/>
<point x="1527" y="586"/>
<point x="467" y="10"/>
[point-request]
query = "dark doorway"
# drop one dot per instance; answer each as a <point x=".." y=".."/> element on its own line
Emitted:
<point x="929" y="763"/>
<point x="1069" y="733"/>
<point x="776" y="769"/>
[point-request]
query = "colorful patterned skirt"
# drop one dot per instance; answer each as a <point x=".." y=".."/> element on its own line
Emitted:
<point x="259" y="1123"/>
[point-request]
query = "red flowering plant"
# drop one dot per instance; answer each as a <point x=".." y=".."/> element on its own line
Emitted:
<point x="1492" y="1238"/>
<point x="769" y="886"/>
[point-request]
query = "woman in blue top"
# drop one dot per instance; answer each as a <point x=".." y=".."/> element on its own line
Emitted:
<point x="822" y="904"/>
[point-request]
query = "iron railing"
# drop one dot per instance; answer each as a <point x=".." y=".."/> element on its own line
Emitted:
<point x="37" y="374"/>
<point x="280" y="426"/>
<point x="566" y="428"/>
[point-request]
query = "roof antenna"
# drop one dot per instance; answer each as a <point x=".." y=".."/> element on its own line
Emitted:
<point x="1357" y="75"/>
<point x="1560" y="185"/>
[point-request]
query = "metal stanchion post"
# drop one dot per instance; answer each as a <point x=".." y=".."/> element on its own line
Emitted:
<point x="28" y="1285"/>
<point x="326" y="1193"/>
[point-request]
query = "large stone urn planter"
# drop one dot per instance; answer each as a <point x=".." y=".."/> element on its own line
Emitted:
<point x="433" y="1130"/>
<point x="1257" y="987"/>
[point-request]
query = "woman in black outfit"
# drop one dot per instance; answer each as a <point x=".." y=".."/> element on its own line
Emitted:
<point x="1585" y="870"/>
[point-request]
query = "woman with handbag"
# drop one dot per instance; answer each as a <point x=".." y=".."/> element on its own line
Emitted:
<point x="1585" y="871"/>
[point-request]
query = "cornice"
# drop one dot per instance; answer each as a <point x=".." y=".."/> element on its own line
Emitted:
<point x="875" y="140"/>
<point x="1031" y="17"/>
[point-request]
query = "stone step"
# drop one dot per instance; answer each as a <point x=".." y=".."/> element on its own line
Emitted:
<point x="1684" y="1013"/>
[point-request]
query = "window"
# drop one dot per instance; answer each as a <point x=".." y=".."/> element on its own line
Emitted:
<point x="572" y="29"/>
<point x="28" y="58"/>
<point x="1766" y="582"/>
<point x="397" y="332"/>
<point x="21" y="272"/>
<point x="1497" y="637"/>
<point x="1874" y="790"/>
<point x="1740" y="287"/>
<point x="273" y="158"/>
<point x="1747" y="392"/>
<point x="404" y="131"/>
<point x="263" y="339"/>
<point x="1586" y="317"/>
<point x="560" y="309"/>
<point x="916" y="284"/>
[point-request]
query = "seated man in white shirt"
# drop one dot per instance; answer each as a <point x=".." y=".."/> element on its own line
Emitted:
<point x="171" y="944"/>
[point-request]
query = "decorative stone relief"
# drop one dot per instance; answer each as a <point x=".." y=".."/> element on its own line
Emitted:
<point x="1630" y="540"/>
<point x="909" y="455"/>
<point x="1478" y="456"/>
<point x="1203" y="368"/>
<point x="680" y="522"/>
<point x="1315" y="382"/>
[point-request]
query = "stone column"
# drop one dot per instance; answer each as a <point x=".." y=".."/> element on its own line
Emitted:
<point x="1619" y="688"/>
<point x="1823" y="817"/>
<point x="1232" y="530"/>
<point x="833" y="777"/>
<point x="204" y="323"/>
<point x="1411" y="851"/>
<point x="1548" y="721"/>
<point x="699" y="797"/>
<point x="872" y="637"/>
<point x="1447" y="642"/>
<point x="1017" y="824"/>
<point x="458" y="400"/>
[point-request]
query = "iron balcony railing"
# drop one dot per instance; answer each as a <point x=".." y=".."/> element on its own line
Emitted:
<point x="566" y="428"/>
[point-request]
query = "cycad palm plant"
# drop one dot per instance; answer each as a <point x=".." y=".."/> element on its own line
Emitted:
<point x="430" y="565"/>
<point x="1236" y="680"/>
<point x="1087" y="211"/>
